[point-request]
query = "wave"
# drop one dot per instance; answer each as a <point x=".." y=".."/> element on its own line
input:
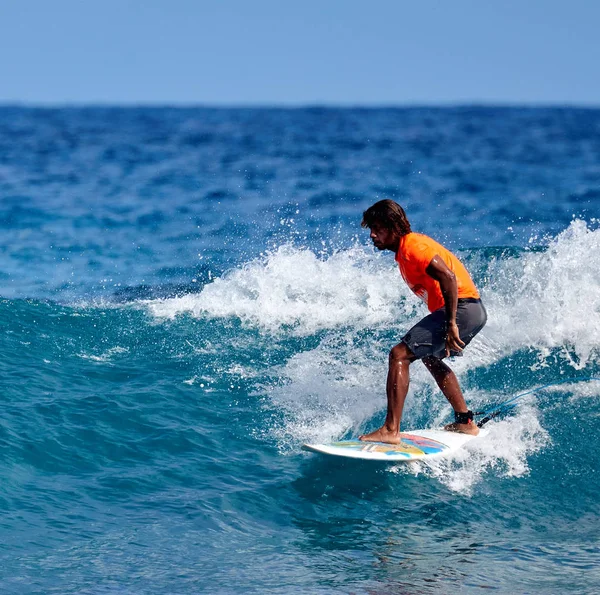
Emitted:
<point x="299" y="339"/>
<point x="544" y="323"/>
<point x="537" y="299"/>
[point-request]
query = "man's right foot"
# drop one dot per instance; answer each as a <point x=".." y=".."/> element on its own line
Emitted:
<point x="471" y="428"/>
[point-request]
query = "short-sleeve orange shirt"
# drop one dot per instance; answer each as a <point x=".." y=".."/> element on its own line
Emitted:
<point x="413" y="257"/>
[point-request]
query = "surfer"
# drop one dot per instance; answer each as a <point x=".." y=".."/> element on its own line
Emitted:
<point x="435" y="275"/>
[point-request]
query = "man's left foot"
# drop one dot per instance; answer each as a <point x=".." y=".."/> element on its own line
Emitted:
<point x="471" y="428"/>
<point x="382" y="435"/>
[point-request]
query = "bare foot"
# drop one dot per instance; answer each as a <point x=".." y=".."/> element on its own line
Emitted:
<point x="471" y="429"/>
<point x="382" y="435"/>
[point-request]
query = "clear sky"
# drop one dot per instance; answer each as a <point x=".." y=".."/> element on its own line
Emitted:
<point x="294" y="52"/>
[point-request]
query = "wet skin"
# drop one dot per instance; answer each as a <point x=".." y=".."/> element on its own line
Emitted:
<point x="401" y="356"/>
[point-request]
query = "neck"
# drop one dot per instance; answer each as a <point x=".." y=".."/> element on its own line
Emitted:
<point x="398" y="241"/>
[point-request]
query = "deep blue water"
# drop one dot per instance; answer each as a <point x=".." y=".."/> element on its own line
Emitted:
<point x="187" y="296"/>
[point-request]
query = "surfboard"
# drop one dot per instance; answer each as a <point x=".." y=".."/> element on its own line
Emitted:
<point x="415" y="445"/>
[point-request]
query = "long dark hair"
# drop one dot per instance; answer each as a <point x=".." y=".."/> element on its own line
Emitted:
<point x="389" y="214"/>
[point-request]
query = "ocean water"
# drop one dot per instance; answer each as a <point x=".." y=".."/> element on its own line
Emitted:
<point x="187" y="296"/>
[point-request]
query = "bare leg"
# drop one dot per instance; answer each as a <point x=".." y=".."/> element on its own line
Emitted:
<point x="448" y="384"/>
<point x="396" y="388"/>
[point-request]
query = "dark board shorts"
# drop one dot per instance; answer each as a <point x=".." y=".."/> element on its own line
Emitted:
<point x="428" y="337"/>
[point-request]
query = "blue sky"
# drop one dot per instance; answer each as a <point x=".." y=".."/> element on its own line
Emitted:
<point x="295" y="52"/>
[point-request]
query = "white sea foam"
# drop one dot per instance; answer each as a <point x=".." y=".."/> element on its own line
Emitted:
<point x="579" y="390"/>
<point x="503" y="451"/>
<point x="292" y="287"/>
<point x="327" y="391"/>
<point x="547" y="300"/>
<point x="105" y="357"/>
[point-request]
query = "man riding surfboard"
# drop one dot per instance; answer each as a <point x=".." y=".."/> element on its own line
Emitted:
<point x="457" y="314"/>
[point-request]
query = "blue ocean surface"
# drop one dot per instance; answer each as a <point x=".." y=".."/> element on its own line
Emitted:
<point x="187" y="296"/>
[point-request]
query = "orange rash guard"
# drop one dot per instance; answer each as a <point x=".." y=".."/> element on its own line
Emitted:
<point x="413" y="257"/>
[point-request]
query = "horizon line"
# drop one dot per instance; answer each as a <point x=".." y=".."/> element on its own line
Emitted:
<point x="542" y="104"/>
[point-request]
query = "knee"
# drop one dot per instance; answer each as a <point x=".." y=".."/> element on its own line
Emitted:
<point x="432" y="363"/>
<point x="399" y="354"/>
<point x="436" y="366"/>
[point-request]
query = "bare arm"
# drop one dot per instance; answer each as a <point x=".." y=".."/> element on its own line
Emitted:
<point x="438" y="270"/>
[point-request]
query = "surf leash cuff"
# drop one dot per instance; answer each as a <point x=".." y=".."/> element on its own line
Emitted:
<point x="463" y="418"/>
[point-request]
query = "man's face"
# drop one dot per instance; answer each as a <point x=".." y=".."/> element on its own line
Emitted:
<point x="383" y="238"/>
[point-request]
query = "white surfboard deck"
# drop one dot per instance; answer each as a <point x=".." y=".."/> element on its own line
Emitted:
<point x="416" y="445"/>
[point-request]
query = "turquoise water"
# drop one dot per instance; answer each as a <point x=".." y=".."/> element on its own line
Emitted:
<point x="188" y="297"/>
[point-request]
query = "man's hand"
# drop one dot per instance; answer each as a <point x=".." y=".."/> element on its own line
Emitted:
<point x="453" y="342"/>
<point x="438" y="270"/>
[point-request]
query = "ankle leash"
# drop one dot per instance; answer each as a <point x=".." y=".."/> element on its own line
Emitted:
<point x="463" y="418"/>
